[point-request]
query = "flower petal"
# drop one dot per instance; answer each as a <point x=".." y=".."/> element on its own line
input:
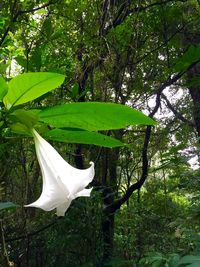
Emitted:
<point x="72" y="180"/>
<point x="79" y="179"/>
<point x="61" y="209"/>
<point x="61" y="182"/>
<point x="84" y="193"/>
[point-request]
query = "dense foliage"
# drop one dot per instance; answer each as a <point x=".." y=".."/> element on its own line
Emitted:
<point x="145" y="205"/>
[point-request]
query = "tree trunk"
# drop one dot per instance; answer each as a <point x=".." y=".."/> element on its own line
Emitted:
<point x="109" y="180"/>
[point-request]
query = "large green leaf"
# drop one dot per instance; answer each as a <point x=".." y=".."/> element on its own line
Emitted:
<point x="79" y="136"/>
<point x="3" y="88"/>
<point x="93" y="116"/>
<point x="29" y="86"/>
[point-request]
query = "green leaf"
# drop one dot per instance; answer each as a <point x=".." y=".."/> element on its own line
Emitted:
<point x="21" y="61"/>
<point x="194" y="264"/>
<point x="47" y="27"/>
<point x="190" y="259"/>
<point x="79" y="136"/>
<point x="3" y="66"/>
<point x="74" y="91"/>
<point x="26" y="117"/>
<point x="36" y="59"/>
<point x="154" y="259"/>
<point x="1" y="123"/>
<point x="29" y="86"/>
<point x="193" y="82"/>
<point x="173" y="260"/>
<point x="19" y="128"/>
<point x="119" y="262"/>
<point x="3" y="88"/>
<point x="190" y="56"/>
<point x="157" y="263"/>
<point x="7" y="205"/>
<point x="93" y="116"/>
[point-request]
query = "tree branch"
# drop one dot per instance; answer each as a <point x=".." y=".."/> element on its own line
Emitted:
<point x="119" y="202"/>
<point x="34" y="232"/>
<point x="161" y="45"/>
<point x="125" y="12"/>
<point x="176" y="113"/>
<point x="21" y="12"/>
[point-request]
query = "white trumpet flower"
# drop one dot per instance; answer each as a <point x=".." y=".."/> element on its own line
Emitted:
<point x="61" y="182"/>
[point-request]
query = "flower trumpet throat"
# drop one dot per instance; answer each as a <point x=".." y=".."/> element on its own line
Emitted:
<point x="61" y="182"/>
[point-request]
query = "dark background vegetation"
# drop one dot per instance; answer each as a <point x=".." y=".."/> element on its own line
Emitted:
<point x="145" y="205"/>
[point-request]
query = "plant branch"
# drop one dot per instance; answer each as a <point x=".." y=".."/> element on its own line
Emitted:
<point x="161" y="45"/>
<point x="123" y="12"/>
<point x="119" y="202"/>
<point x="176" y="113"/>
<point x="21" y="12"/>
<point x="34" y="232"/>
